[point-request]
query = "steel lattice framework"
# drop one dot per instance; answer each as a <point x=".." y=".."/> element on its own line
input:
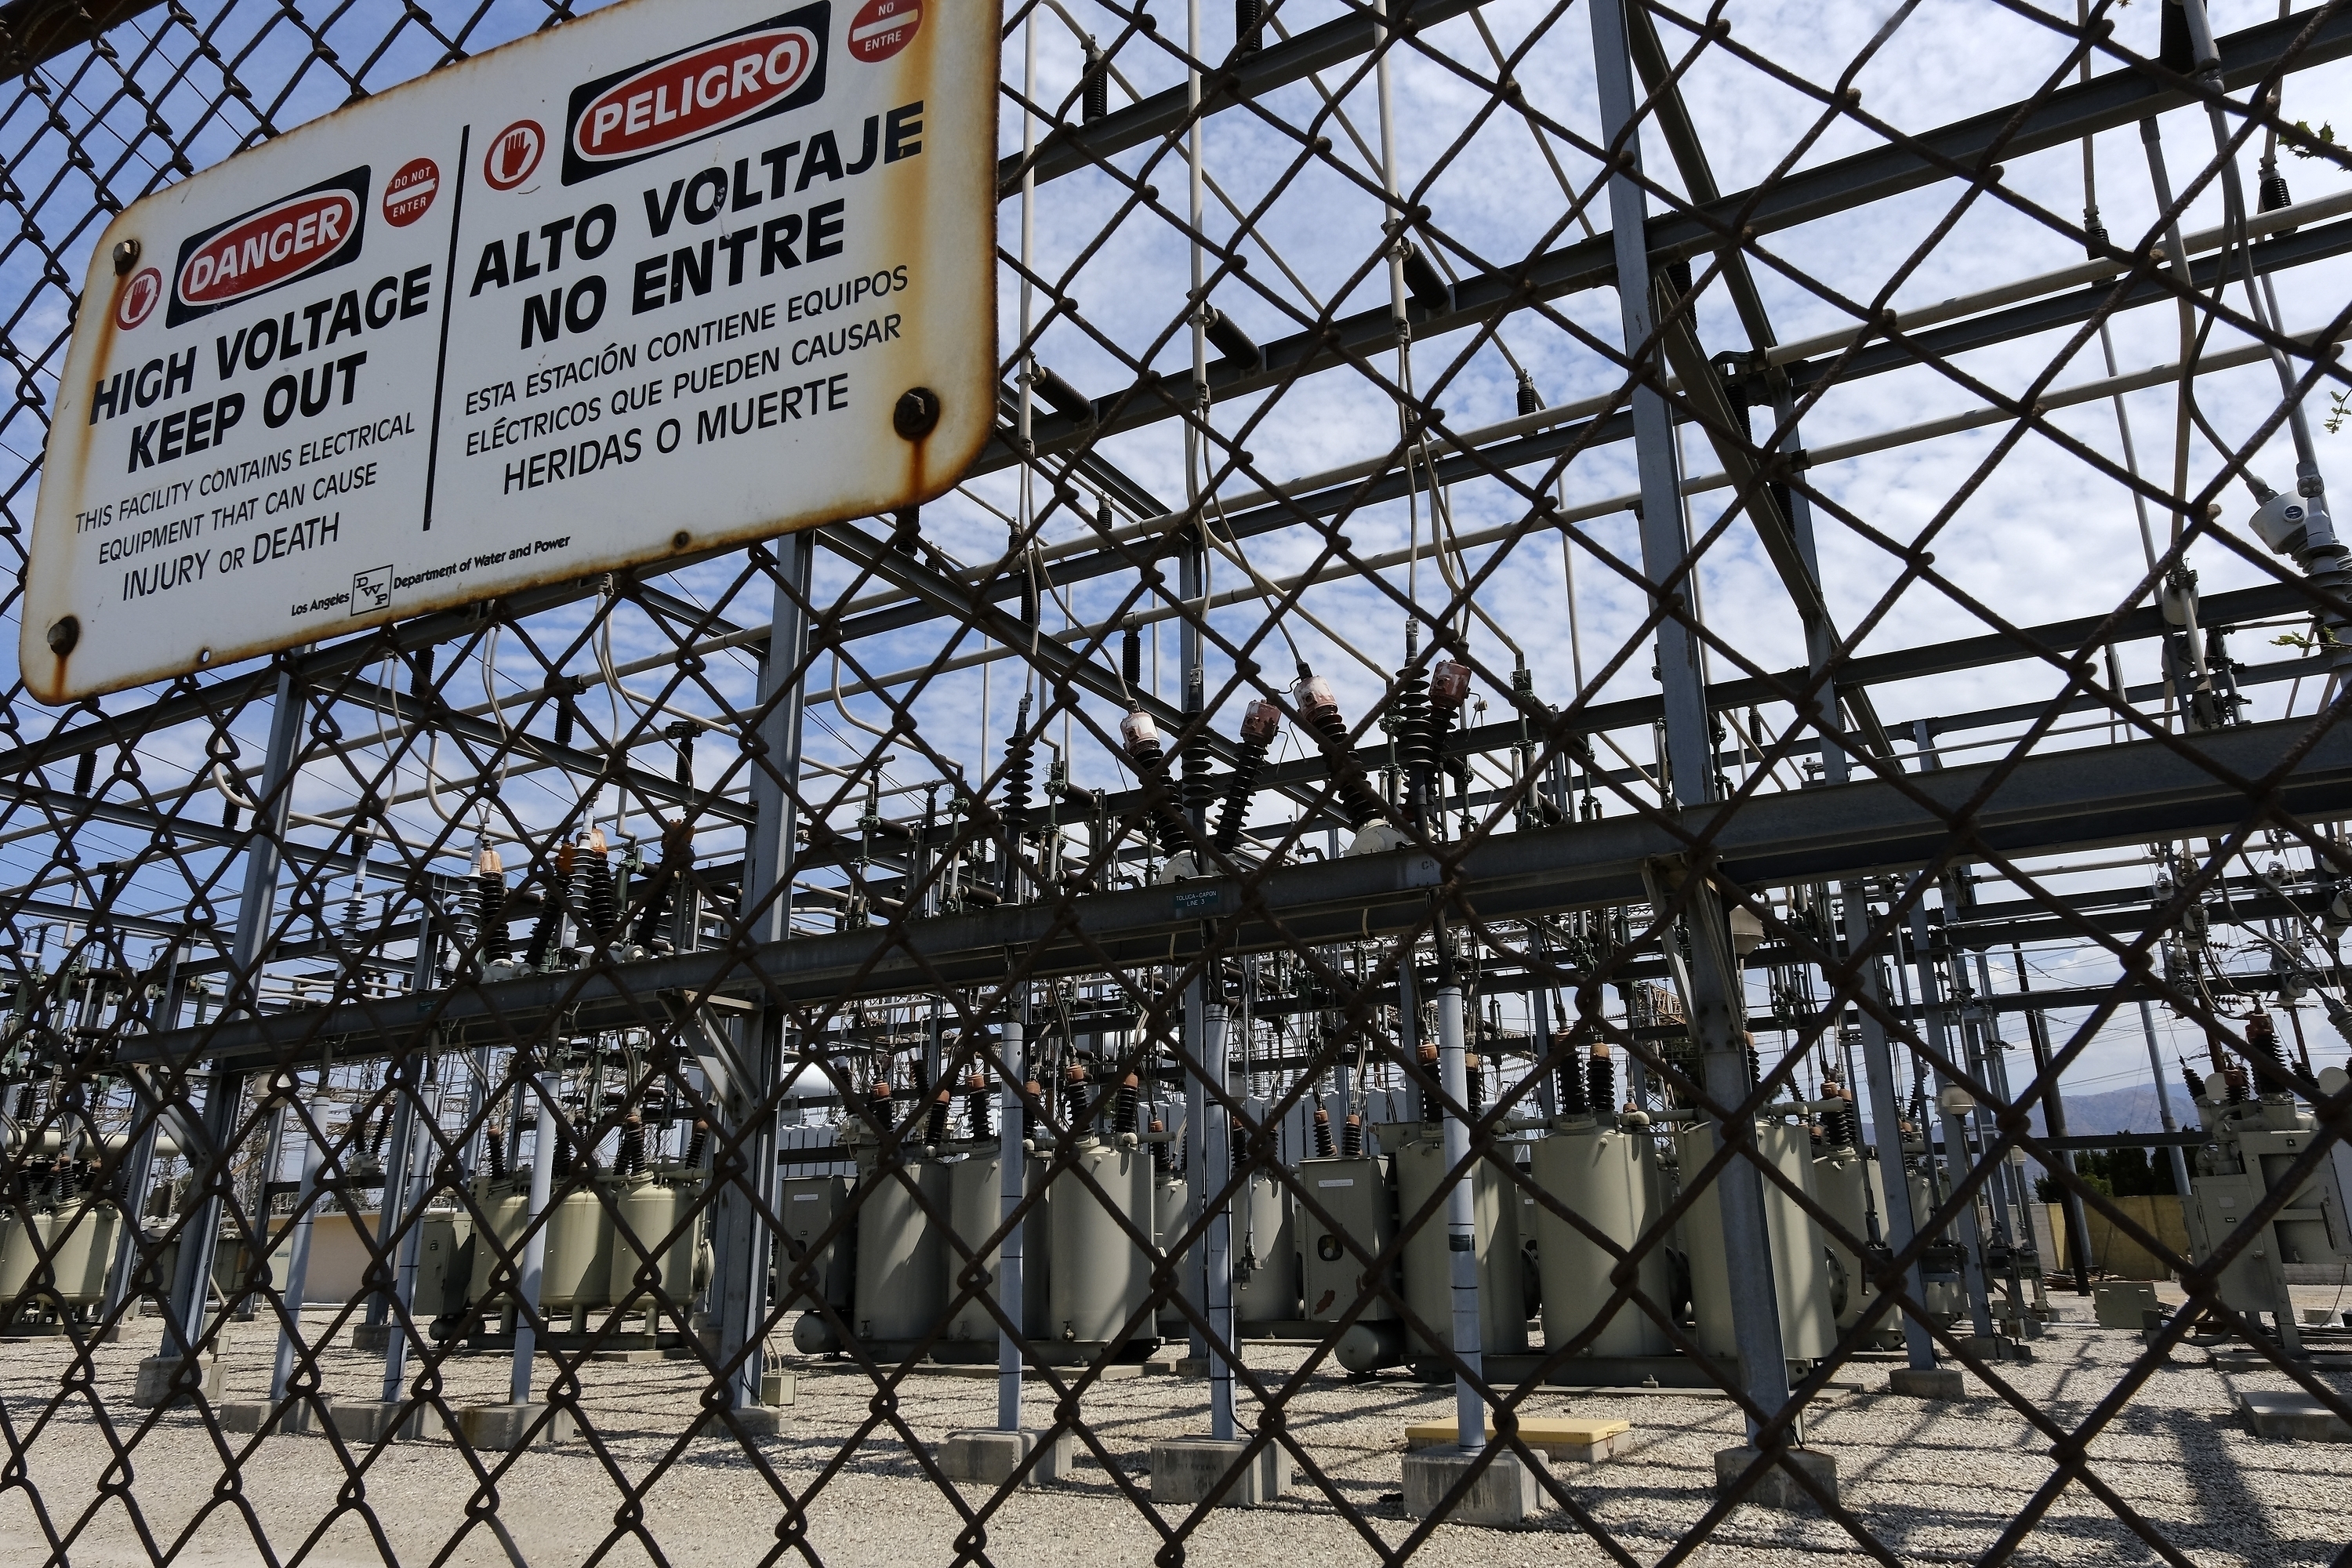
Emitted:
<point x="1484" y="676"/>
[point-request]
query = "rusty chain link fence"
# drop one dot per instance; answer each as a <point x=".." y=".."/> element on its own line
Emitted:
<point x="1606" y="655"/>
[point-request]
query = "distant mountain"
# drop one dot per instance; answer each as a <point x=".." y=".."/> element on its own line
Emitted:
<point x="2122" y="1110"/>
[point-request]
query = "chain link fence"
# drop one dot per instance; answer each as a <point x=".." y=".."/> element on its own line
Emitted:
<point x="1528" y="864"/>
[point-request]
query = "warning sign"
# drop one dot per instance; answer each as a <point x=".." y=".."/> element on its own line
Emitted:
<point x="681" y="274"/>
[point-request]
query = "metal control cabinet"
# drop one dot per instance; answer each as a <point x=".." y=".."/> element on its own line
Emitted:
<point x="806" y="1206"/>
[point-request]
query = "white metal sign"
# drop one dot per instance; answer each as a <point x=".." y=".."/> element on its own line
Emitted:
<point x="681" y="274"/>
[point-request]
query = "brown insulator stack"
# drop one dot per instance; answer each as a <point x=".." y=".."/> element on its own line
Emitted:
<point x="1600" y="1082"/>
<point x="1149" y="758"/>
<point x="1129" y="1115"/>
<point x="1429" y="1101"/>
<point x="1261" y="723"/>
<point x="490" y="907"/>
<point x="1318" y="710"/>
<point x="1351" y="1137"/>
<point x="630" y="1158"/>
<point x="975" y="1105"/>
<point x="1323" y="1150"/>
<point x="885" y="1114"/>
<point x="544" y="934"/>
<point x="494" y="1146"/>
<point x="603" y="902"/>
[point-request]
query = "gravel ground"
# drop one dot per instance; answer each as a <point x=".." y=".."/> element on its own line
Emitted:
<point x="1934" y="1482"/>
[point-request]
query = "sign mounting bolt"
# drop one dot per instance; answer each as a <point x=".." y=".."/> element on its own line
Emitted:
<point x="126" y="257"/>
<point x="64" y="633"/>
<point x="917" y="413"/>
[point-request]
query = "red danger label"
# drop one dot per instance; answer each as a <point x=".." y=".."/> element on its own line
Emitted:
<point x="291" y="237"/>
<point x="408" y="193"/>
<point x="764" y="69"/>
<point x="685" y="99"/>
<point x="882" y="27"/>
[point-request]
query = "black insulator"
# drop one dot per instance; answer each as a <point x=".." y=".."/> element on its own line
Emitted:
<point x="1425" y="283"/>
<point x="1163" y="1152"/>
<point x="2234" y="1079"/>
<point x="564" y="1149"/>
<point x="975" y="1106"/>
<point x="490" y="914"/>
<point x="681" y="735"/>
<point x="1351" y="1137"/>
<point x="1033" y="1103"/>
<point x="1529" y="401"/>
<point x="2095" y="234"/>
<point x="1323" y="1150"/>
<point x="1572" y="1101"/>
<point x="2274" y="190"/>
<point x="2175" y="47"/>
<point x="1129" y="1116"/>
<point x="1094" y="98"/>
<point x="1416" y="752"/>
<point x="631" y="1157"/>
<point x="1020" y="748"/>
<point x="697" y="1143"/>
<point x="229" y="815"/>
<point x="85" y="772"/>
<point x="494" y="1145"/>
<point x="383" y="1131"/>
<point x="1260" y="724"/>
<point x="1754" y="1062"/>
<point x="1474" y="1084"/>
<point x="1320" y="710"/>
<point x="563" y="717"/>
<point x="1235" y="345"/>
<point x="1067" y="400"/>
<point x="603" y="902"/>
<point x="1249" y="29"/>
<point x="886" y="1113"/>
<point x="1130" y="657"/>
<point x="2196" y="1085"/>
<point x="550" y="924"/>
<point x="420" y="673"/>
<point x="1431" y="1106"/>
<point x="1601" y="1084"/>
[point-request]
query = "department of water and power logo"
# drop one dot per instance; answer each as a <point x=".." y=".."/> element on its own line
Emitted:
<point x="710" y="87"/>
<point x="311" y="231"/>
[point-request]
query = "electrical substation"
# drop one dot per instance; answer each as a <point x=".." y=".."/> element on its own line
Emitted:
<point x="1351" y="778"/>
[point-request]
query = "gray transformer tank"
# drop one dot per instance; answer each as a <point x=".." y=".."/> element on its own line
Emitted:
<point x="1100" y="1277"/>
<point x="1608" y="1178"/>
<point x="1419" y="1163"/>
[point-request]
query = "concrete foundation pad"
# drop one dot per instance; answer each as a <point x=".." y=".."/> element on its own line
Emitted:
<point x="1776" y="1487"/>
<point x="1186" y="1470"/>
<point x="370" y="1421"/>
<point x="1997" y="1347"/>
<point x="297" y="1417"/>
<point x="1504" y="1495"/>
<point x="1118" y="1372"/>
<point x="988" y="1456"/>
<point x="370" y="1339"/>
<point x="160" y="1382"/>
<point x="757" y="1420"/>
<point x="1560" y="1440"/>
<point x="2297" y="1414"/>
<point x="1928" y="1383"/>
<point x="506" y="1427"/>
<point x="632" y="1355"/>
